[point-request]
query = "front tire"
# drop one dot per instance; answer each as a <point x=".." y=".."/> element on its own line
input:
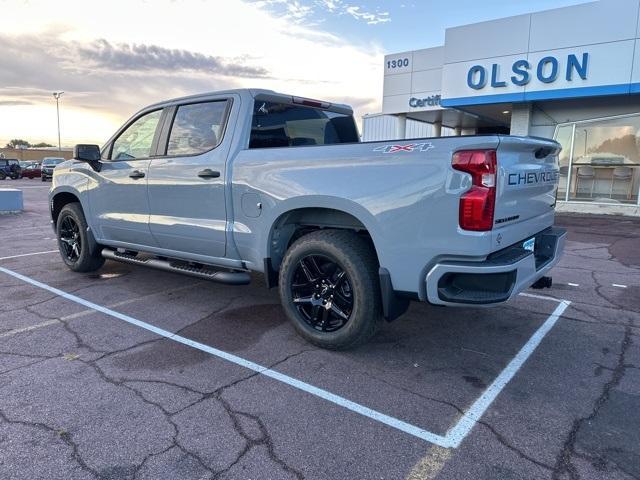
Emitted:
<point x="73" y="240"/>
<point x="330" y="290"/>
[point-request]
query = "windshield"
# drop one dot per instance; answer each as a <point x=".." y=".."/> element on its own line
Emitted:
<point x="52" y="161"/>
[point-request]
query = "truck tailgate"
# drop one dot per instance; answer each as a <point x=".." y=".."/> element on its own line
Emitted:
<point x="527" y="183"/>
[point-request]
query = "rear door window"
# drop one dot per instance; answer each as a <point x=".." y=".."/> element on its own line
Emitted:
<point x="197" y="128"/>
<point x="286" y="125"/>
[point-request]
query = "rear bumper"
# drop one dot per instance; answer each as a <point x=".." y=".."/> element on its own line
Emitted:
<point x="501" y="276"/>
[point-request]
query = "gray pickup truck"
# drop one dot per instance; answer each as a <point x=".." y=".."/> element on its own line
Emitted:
<point x="221" y="184"/>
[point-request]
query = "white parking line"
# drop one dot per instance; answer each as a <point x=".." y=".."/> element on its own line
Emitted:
<point x="16" y="331"/>
<point x="453" y="437"/>
<point x="471" y="416"/>
<point x="27" y="254"/>
<point x="573" y="284"/>
<point x="541" y="297"/>
<point x="618" y="285"/>
<point x="84" y="313"/>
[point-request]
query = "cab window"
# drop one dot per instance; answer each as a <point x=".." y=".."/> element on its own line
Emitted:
<point x="197" y="128"/>
<point x="137" y="140"/>
<point x="285" y="125"/>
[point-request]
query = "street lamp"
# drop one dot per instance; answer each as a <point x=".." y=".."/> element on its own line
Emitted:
<point x="57" y="96"/>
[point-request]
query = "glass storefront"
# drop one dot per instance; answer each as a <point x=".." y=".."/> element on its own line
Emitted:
<point x="600" y="160"/>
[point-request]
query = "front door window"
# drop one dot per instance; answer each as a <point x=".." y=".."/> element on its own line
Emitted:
<point x="137" y="140"/>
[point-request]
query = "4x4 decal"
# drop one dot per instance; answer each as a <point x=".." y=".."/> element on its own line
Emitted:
<point x="409" y="147"/>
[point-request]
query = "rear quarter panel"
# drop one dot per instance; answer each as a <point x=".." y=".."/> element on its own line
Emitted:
<point x="408" y="200"/>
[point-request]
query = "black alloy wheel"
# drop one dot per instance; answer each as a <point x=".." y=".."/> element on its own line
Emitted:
<point x="321" y="292"/>
<point x="329" y="288"/>
<point x="70" y="239"/>
<point x="74" y="241"/>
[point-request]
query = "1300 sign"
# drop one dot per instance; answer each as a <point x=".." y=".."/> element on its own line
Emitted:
<point x="399" y="63"/>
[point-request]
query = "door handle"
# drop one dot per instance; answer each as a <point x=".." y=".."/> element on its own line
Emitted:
<point x="208" y="173"/>
<point x="136" y="174"/>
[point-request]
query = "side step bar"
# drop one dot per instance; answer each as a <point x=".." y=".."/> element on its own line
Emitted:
<point x="176" y="266"/>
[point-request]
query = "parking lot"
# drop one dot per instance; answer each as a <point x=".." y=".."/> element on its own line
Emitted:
<point x="137" y="373"/>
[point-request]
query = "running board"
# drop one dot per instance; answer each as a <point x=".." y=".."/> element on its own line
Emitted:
<point x="205" y="272"/>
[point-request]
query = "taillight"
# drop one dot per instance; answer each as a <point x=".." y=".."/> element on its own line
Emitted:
<point x="478" y="203"/>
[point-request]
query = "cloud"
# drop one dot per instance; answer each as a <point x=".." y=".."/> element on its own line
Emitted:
<point x="112" y="66"/>
<point x="14" y="103"/>
<point x="100" y="74"/>
<point x="140" y="57"/>
<point x="311" y="12"/>
<point x="372" y="18"/>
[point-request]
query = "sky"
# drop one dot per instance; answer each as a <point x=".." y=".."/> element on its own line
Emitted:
<point x="113" y="58"/>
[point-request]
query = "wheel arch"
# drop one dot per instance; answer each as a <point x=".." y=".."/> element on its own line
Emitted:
<point x="63" y="197"/>
<point x="299" y="218"/>
<point x="59" y="200"/>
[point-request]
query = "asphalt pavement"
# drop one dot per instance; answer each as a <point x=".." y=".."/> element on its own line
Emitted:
<point x="132" y="373"/>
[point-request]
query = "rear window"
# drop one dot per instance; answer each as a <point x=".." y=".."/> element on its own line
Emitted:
<point x="286" y="125"/>
<point x="197" y="128"/>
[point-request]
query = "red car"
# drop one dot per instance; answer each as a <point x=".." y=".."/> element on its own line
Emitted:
<point x="31" y="171"/>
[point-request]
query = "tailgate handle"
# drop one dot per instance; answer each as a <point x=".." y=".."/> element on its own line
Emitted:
<point x="543" y="152"/>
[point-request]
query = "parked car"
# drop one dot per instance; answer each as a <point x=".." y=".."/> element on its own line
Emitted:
<point x="48" y="165"/>
<point x="221" y="184"/>
<point x="10" y="168"/>
<point x="32" y="170"/>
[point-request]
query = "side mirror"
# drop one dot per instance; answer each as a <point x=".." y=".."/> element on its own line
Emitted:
<point x="88" y="153"/>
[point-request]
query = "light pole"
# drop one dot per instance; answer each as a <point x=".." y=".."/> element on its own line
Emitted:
<point x="57" y="96"/>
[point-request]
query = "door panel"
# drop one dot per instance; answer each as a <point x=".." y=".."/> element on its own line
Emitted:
<point x="186" y="188"/>
<point x="119" y="199"/>
<point x="120" y="204"/>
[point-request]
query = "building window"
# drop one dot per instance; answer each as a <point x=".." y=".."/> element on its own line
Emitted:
<point x="600" y="160"/>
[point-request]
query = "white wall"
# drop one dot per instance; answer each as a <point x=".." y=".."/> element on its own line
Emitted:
<point x="606" y="30"/>
<point x="421" y="78"/>
<point x="383" y="127"/>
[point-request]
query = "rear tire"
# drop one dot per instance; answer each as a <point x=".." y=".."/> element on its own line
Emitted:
<point x="334" y="302"/>
<point x="73" y="240"/>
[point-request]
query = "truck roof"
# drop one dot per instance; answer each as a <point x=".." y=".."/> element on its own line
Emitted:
<point x="254" y="92"/>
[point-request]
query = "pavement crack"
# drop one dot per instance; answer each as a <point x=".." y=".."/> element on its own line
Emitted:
<point x="36" y="362"/>
<point x="65" y="436"/>
<point x="251" y="442"/>
<point x="502" y="439"/>
<point x="564" y="465"/>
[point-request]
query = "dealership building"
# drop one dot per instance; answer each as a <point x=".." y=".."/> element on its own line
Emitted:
<point x="572" y="74"/>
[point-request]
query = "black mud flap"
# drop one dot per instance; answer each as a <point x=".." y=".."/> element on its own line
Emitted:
<point x="393" y="306"/>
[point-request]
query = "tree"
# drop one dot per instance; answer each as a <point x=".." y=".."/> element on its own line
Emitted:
<point x="18" y="143"/>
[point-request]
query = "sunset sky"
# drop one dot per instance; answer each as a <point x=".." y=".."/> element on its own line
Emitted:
<point x="112" y="58"/>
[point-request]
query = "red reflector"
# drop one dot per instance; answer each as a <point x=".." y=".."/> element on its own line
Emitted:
<point x="478" y="203"/>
